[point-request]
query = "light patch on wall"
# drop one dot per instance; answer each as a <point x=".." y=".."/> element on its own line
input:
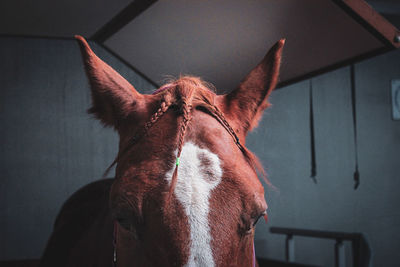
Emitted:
<point x="396" y="99"/>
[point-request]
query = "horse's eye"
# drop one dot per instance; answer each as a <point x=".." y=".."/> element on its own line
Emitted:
<point x="258" y="217"/>
<point x="253" y="222"/>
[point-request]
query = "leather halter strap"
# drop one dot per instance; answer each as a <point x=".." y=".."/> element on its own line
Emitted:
<point x="115" y="234"/>
<point x="254" y="255"/>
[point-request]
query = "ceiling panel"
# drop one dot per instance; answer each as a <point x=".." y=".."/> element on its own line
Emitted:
<point x="56" y="18"/>
<point x="217" y="40"/>
<point x="222" y="40"/>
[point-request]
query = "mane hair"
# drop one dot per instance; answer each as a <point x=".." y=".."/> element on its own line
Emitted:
<point x="186" y="80"/>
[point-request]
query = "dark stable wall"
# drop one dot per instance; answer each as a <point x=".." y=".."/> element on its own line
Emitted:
<point x="283" y="143"/>
<point x="51" y="147"/>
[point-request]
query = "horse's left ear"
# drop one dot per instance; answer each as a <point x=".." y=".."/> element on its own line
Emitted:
<point x="246" y="104"/>
<point x="113" y="97"/>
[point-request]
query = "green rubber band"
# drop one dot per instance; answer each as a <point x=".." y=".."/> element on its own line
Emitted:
<point x="177" y="161"/>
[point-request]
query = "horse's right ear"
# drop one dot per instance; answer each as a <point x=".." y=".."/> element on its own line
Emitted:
<point x="246" y="103"/>
<point x="113" y="97"/>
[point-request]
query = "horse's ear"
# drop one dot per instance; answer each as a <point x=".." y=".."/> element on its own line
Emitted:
<point x="113" y="97"/>
<point x="246" y="103"/>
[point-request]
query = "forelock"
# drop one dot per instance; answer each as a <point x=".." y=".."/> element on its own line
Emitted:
<point x="186" y="82"/>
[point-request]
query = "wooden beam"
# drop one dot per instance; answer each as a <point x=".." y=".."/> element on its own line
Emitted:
<point x="372" y="21"/>
<point x="129" y="13"/>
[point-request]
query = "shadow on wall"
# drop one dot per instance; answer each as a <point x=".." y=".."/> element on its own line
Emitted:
<point x="283" y="143"/>
<point x="50" y="145"/>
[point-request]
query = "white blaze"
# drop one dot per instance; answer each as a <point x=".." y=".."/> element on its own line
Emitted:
<point x="199" y="172"/>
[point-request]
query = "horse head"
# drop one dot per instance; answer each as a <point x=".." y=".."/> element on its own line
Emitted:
<point x="186" y="191"/>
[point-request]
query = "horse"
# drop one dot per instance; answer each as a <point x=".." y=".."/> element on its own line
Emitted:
<point x="186" y="190"/>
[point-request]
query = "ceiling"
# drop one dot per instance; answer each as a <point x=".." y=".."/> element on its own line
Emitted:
<point x="60" y="18"/>
<point x="217" y="40"/>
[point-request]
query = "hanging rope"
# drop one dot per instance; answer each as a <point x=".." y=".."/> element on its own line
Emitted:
<point x="312" y="136"/>
<point x="356" y="175"/>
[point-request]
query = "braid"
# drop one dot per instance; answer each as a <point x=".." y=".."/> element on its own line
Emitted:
<point x="187" y="116"/>
<point x="154" y="118"/>
<point x="228" y="127"/>
<point x="250" y="157"/>
<point x="163" y="108"/>
<point x="186" y="109"/>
